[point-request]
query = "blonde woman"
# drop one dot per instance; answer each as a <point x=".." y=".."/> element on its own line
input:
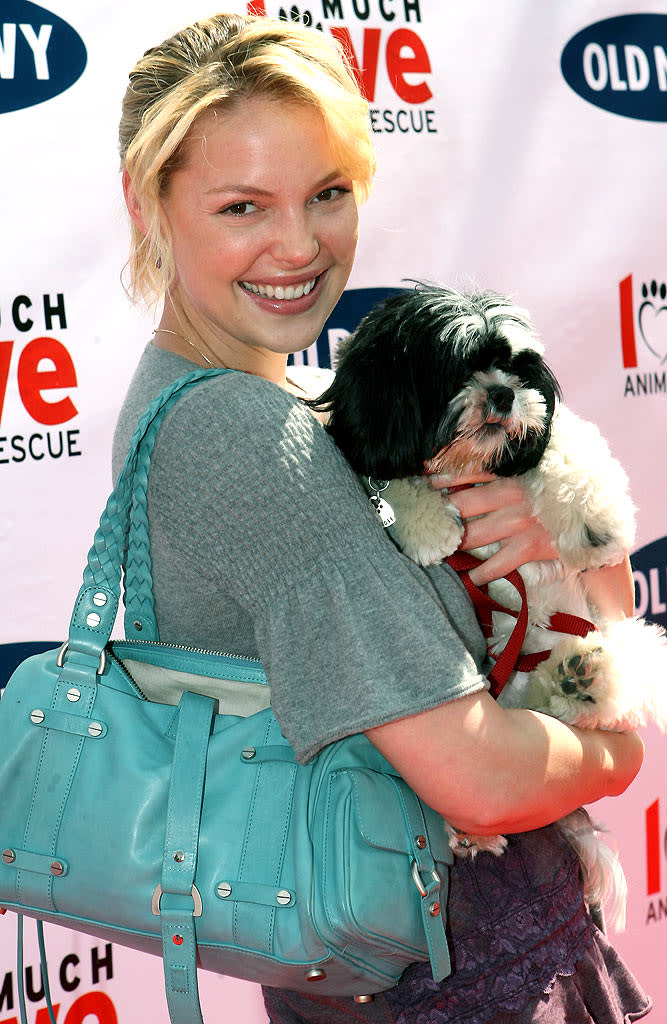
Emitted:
<point x="245" y="153"/>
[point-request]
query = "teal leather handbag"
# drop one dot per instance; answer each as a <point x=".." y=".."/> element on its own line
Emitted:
<point x="149" y="798"/>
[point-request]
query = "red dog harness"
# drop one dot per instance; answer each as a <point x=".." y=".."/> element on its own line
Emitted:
<point x="510" y="658"/>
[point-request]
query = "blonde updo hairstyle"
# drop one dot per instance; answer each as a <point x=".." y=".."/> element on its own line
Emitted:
<point x="210" y="65"/>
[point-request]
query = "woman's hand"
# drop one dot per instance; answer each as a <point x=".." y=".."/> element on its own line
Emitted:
<point x="611" y="589"/>
<point x="498" y="512"/>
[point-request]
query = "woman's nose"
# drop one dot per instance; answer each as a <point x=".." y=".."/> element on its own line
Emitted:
<point x="296" y="243"/>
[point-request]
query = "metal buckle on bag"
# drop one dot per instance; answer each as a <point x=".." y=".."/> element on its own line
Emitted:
<point x="196" y="899"/>
<point x="60" y="658"/>
<point x="417" y="879"/>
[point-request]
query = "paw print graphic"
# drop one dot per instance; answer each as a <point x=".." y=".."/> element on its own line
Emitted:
<point x="302" y="17"/>
<point x="653" y="318"/>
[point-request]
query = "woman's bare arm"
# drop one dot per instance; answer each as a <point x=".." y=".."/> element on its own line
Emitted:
<point x="491" y="770"/>
<point x="611" y="589"/>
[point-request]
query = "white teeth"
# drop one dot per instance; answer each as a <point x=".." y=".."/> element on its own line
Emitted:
<point x="290" y="291"/>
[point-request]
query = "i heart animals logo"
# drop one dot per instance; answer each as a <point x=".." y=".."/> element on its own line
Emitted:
<point x="652" y="319"/>
<point x="643" y="321"/>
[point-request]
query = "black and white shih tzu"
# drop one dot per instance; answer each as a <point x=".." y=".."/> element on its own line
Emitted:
<point x="437" y="381"/>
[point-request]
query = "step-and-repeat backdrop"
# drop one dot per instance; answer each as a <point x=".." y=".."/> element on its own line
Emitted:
<point x="521" y="146"/>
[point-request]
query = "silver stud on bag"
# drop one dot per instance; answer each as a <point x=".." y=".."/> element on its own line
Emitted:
<point x="73" y="695"/>
<point x="364" y="999"/>
<point x="316" y="974"/>
<point x="100" y="599"/>
<point x="179" y="856"/>
<point x="57" y="868"/>
<point x="137" y="625"/>
<point x="37" y="716"/>
<point x="224" y="890"/>
<point x="434" y="909"/>
<point x="283" y="897"/>
<point x="95" y="729"/>
<point x="383" y="508"/>
<point x="8" y="856"/>
<point x="420" y="842"/>
<point x="248" y="753"/>
<point x="93" y="620"/>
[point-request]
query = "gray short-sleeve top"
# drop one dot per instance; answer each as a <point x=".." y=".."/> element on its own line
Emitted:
<point x="263" y="543"/>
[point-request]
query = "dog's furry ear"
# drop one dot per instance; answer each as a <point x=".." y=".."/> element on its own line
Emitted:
<point x="533" y="371"/>
<point x="524" y="454"/>
<point x="373" y="403"/>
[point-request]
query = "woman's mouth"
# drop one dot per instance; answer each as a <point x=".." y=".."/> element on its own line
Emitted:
<point x="283" y="293"/>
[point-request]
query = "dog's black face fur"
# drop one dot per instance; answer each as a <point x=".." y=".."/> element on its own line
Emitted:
<point x="435" y="378"/>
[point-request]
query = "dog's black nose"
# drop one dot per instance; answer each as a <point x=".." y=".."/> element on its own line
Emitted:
<point x="500" y="398"/>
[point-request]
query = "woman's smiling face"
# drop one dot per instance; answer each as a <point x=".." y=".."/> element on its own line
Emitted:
<point x="263" y="227"/>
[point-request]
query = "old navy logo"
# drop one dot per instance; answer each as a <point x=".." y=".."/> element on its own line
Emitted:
<point x="620" y="65"/>
<point x="649" y="571"/>
<point x="40" y="55"/>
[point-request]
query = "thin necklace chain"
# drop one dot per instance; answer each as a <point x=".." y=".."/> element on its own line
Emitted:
<point x="165" y="330"/>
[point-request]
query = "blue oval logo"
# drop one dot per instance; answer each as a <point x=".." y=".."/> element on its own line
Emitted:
<point x="345" y="316"/>
<point x="40" y="55"/>
<point x="620" y="65"/>
<point x="649" y="568"/>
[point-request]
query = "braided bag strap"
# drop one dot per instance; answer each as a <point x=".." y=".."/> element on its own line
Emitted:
<point x="127" y="504"/>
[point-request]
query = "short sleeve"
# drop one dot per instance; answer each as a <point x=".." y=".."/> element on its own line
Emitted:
<point x="258" y="501"/>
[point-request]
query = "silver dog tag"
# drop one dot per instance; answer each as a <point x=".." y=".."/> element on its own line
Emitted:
<point x="383" y="508"/>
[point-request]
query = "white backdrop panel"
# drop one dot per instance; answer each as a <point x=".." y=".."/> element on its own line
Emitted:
<point x="493" y="171"/>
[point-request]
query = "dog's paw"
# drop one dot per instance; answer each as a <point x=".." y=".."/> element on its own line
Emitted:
<point x="572" y="682"/>
<point x="464" y="845"/>
<point x="428" y="527"/>
<point x="575" y="675"/>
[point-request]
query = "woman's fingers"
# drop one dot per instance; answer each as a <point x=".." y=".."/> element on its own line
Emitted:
<point x="440" y="481"/>
<point x="531" y="545"/>
<point x="496" y="495"/>
<point x="497" y="525"/>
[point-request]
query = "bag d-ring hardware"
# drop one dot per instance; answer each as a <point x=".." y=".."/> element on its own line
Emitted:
<point x="60" y="658"/>
<point x="196" y="899"/>
<point x="417" y="879"/>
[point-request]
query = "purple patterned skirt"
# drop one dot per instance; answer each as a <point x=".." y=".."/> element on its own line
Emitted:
<point x="524" y="951"/>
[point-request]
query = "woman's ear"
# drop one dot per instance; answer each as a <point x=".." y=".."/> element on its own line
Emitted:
<point x="132" y="202"/>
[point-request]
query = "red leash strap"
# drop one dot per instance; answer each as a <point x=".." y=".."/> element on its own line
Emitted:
<point x="511" y="657"/>
<point x="563" y="622"/>
<point x="485" y="606"/>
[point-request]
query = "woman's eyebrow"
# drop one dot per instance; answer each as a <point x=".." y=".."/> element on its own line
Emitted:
<point x="246" y="189"/>
<point x="255" y="191"/>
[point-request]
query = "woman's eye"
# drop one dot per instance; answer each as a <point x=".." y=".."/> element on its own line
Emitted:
<point x="327" y="194"/>
<point x="239" y="209"/>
